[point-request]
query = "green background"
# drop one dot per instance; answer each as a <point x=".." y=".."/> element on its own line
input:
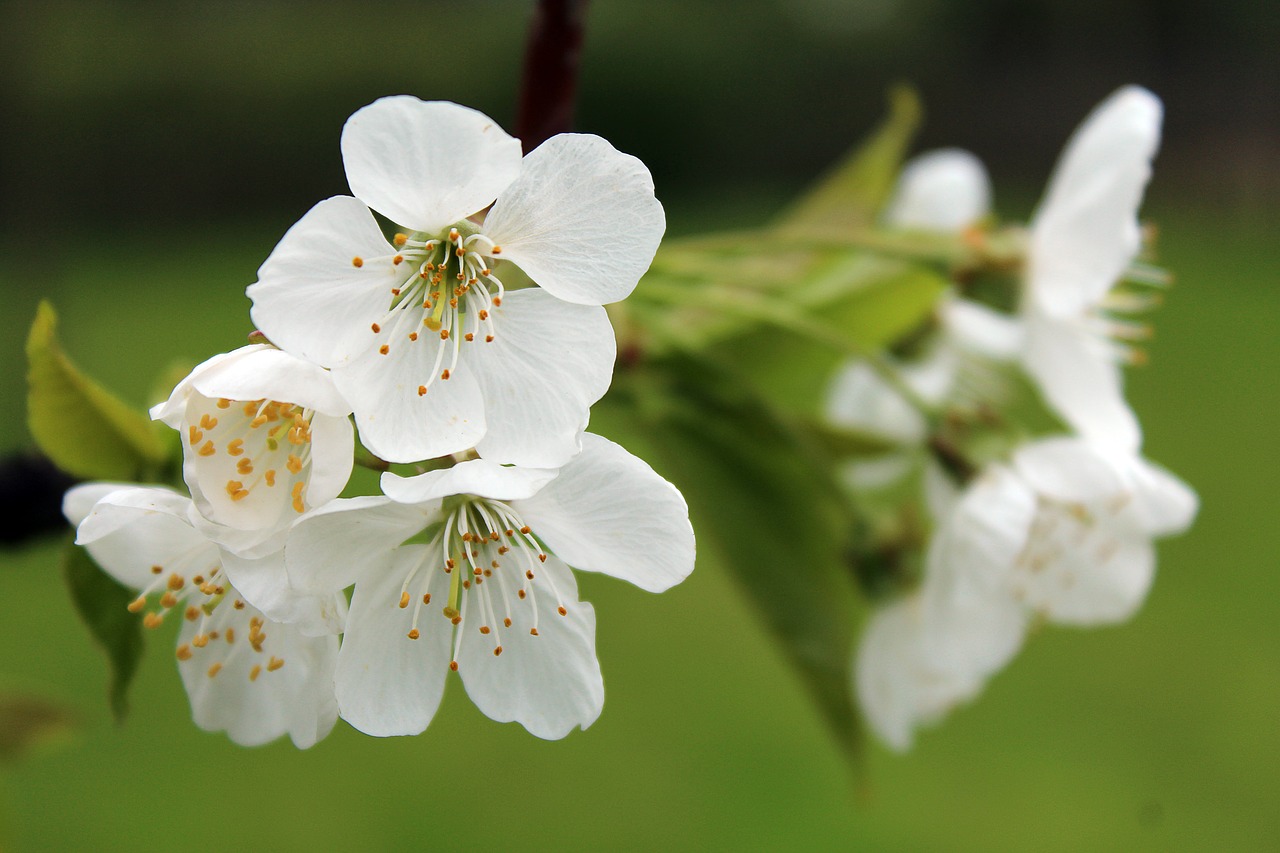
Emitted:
<point x="162" y="151"/>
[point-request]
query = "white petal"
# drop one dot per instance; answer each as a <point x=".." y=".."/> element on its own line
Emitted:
<point x="1086" y="230"/>
<point x="859" y="399"/>
<point x="872" y="474"/>
<point x="426" y="164"/>
<point x="388" y="684"/>
<point x="609" y="512"/>
<point x="78" y="501"/>
<point x="130" y="531"/>
<point x="978" y="329"/>
<point x="332" y="446"/>
<point x="401" y="425"/>
<point x="581" y="219"/>
<point x="295" y="699"/>
<point x="309" y="299"/>
<point x="264" y="583"/>
<point x="984" y="535"/>
<point x="172" y="410"/>
<point x="944" y="191"/>
<point x="330" y="546"/>
<point x="264" y="372"/>
<point x="551" y="683"/>
<point x="1101" y="579"/>
<point x="897" y="688"/>
<point x="548" y="363"/>
<point x="1080" y="381"/>
<point x="1069" y="469"/>
<point x="1164" y="505"/>
<point x="475" y="477"/>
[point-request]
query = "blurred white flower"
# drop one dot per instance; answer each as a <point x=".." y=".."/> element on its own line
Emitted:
<point x="435" y="355"/>
<point x="265" y="437"/>
<point x="245" y="674"/>
<point x="468" y="569"/>
<point x="943" y="191"/>
<point x="1083" y="237"/>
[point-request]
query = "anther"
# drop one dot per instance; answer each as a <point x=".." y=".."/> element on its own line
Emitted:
<point x="238" y="605"/>
<point x="255" y="672"/>
<point x="224" y="403"/>
<point x="207" y="449"/>
<point x="533" y="632"/>
<point x="444" y="334"/>
<point x="413" y="336"/>
<point x="426" y="598"/>
<point x="155" y="570"/>
<point x="484" y="629"/>
<point x="193" y="613"/>
<point x="137" y="604"/>
<point x="175" y="582"/>
<point x="184" y="652"/>
<point x="230" y="636"/>
<point x="194" y="435"/>
<point x="235" y="448"/>
<point x="215" y="669"/>
<point x="497" y="651"/>
<point x="453" y="665"/>
<point x="469" y="337"/>
<point x="207" y="422"/>
<point x="444" y="374"/>
<point x="384" y="349"/>
<point x="376" y="328"/>
<point x="152" y="620"/>
<point x="274" y="663"/>
<point x="506" y="623"/>
<point x="357" y="261"/>
<point x="520" y="593"/>
<point x="562" y="611"/>
<point x="400" y="239"/>
<point x="168" y="600"/>
<point x="270" y="476"/>
<point x="422" y="390"/>
<point x="404" y="600"/>
<point x="200" y="641"/>
<point x="496" y="250"/>
<point x="413" y="634"/>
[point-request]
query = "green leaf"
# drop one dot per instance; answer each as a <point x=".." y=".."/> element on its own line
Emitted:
<point x="855" y="309"/>
<point x="83" y="428"/>
<point x="102" y="605"/>
<point x="851" y="195"/>
<point x="762" y="501"/>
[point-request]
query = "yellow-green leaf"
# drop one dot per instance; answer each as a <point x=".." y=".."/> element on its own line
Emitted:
<point x="850" y="196"/>
<point x="87" y="431"/>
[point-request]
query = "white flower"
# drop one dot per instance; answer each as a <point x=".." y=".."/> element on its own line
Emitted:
<point x="1083" y="237"/>
<point x="481" y="584"/>
<point x="943" y="191"/>
<point x="265" y="437"/>
<point x="1063" y="533"/>
<point x="245" y="674"/>
<point x="432" y="351"/>
<point x="922" y="655"/>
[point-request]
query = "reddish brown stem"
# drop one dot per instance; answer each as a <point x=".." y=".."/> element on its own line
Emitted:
<point x="551" y="62"/>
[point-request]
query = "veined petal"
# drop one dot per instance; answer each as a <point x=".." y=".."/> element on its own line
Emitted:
<point x="329" y="547"/>
<point x="609" y="512"/>
<point x="281" y="685"/>
<point x="549" y="683"/>
<point x="1086" y="230"/>
<point x="264" y="372"/>
<point x="426" y="164"/>
<point x="388" y="684"/>
<point x="78" y="501"/>
<point x="1080" y="381"/>
<point x="264" y="583"/>
<point x="311" y="299"/>
<point x="478" y="477"/>
<point x="129" y="532"/>
<point x="942" y="191"/>
<point x="549" y="361"/>
<point x="581" y="219"/>
<point x="398" y="423"/>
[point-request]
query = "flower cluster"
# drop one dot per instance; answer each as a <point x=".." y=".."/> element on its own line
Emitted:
<point x="1054" y="528"/>
<point x="471" y="344"/>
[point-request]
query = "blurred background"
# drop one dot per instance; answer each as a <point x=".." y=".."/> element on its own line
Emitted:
<point x="154" y="152"/>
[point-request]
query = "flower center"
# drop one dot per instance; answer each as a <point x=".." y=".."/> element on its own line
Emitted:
<point x="487" y="551"/>
<point x="259" y="450"/>
<point x="204" y="599"/>
<point x="445" y="298"/>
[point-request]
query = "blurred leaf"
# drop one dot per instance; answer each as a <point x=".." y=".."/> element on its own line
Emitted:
<point x="82" y="427"/>
<point x="27" y="722"/>
<point x="102" y="605"/>
<point x="763" y="501"/>
<point x="851" y="195"/>
<point x="794" y="370"/>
